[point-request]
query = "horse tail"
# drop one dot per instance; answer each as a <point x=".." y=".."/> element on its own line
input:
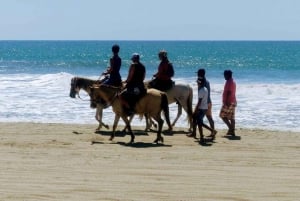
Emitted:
<point x="190" y="106"/>
<point x="165" y="108"/>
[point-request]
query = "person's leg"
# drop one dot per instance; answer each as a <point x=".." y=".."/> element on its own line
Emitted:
<point x="200" y="124"/>
<point x="231" y="118"/>
<point x="125" y="105"/>
<point x="228" y="123"/>
<point x="224" y="116"/>
<point x="201" y="140"/>
<point x="209" y="117"/>
<point x="232" y="127"/>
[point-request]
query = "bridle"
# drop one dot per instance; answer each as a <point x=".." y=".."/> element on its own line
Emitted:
<point x="109" y="102"/>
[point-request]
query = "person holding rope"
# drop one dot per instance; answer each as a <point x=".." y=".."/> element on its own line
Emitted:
<point x="112" y="73"/>
<point x="134" y="85"/>
<point x="165" y="71"/>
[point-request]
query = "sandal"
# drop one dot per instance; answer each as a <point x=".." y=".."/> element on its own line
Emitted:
<point x="213" y="134"/>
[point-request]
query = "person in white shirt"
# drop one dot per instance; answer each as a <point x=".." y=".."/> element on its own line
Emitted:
<point x="200" y="110"/>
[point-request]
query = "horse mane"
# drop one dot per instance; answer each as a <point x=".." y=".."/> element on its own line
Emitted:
<point x="84" y="83"/>
<point x="106" y="92"/>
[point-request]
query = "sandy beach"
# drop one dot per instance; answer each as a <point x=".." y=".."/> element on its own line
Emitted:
<point x="71" y="162"/>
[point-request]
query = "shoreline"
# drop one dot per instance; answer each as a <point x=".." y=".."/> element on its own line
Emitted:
<point x="54" y="161"/>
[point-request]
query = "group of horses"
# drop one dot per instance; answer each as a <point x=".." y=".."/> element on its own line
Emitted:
<point x="151" y="105"/>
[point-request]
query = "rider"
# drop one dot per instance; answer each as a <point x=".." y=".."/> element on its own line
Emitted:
<point x="134" y="88"/>
<point x="112" y="73"/>
<point x="162" y="79"/>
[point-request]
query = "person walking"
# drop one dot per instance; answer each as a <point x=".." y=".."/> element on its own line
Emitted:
<point x="200" y="110"/>
<point x="227" y="113"/>
<point x="201" y="73"/>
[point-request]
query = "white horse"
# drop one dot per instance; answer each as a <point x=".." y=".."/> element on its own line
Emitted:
<point x="181" y="94"/>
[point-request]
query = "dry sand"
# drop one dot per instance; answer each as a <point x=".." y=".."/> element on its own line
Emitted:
<point x="61" y="162"/>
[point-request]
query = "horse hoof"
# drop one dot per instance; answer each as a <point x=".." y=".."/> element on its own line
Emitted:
<point x="111" y="138"/>
<point x="161" y="139"/>
<point x="106" y="126"/>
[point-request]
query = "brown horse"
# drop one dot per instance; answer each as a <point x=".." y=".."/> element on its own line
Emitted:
<point x="78" y="83"/>
<point x="151" y="104"/>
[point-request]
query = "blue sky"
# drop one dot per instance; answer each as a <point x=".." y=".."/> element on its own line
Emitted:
<point x="150" y="20"/>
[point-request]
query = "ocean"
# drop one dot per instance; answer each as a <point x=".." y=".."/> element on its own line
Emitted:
<point x="35" y="78"/>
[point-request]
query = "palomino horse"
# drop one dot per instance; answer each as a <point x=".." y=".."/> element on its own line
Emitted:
<point x="151" y="104"/>
<point x="78" y="83"/>
<point x="180" y="93"/>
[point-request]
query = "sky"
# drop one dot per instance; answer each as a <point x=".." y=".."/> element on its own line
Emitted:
<point x="150" y="19"/>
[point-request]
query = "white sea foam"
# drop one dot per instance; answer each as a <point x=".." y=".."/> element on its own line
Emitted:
<point x="45" y="98"/>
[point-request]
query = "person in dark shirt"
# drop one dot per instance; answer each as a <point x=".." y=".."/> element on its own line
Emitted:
<point x="112" y="73"/>
<point x="162" y="79"/>
<point x="134" y="88"/>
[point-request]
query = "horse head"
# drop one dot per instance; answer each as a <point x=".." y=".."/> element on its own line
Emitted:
<point x="102" y="92"/>
<point x="74" y="87"/>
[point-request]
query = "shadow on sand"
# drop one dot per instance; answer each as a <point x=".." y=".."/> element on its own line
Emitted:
<point x="231" y="137"/>
<point x="143" y="144"/>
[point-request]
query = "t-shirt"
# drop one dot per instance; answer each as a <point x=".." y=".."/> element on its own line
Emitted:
<point x="203" y="94"/>
<point x="230" y="87"/>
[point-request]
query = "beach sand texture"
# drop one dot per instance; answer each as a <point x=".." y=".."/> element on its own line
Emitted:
<point x="71" y="162"/>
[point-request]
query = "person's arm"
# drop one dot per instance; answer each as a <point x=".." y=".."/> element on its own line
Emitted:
<point x="130" y="73"/>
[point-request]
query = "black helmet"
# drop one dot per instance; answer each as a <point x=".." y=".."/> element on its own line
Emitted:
<point x="115" y="48"/>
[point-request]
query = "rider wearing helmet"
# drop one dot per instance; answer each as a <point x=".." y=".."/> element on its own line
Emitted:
<point x="112" y="73"/>
<point x="134" y="88"/>
<point x="162" y="79"/>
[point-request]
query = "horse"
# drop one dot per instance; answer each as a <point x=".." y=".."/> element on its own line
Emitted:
<point x="78" y="83"/>
<point x="151" y="104"/>
<point x="180" y="93"/>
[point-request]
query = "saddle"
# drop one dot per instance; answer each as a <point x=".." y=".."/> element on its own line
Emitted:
<point x="161" y="85"/>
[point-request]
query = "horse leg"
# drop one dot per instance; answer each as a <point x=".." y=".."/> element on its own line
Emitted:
<point x="160" y="125"/>
<point x="98" y="116"/>
<point x="179" y="112"/>
<point x="117" y="117"/>
<point x="127" y="123"/>
<point x="130" y="119"/>
<point x="148" y="122"/>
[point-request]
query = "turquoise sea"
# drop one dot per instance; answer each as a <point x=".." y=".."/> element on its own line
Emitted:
<point x="35" y="78"/>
